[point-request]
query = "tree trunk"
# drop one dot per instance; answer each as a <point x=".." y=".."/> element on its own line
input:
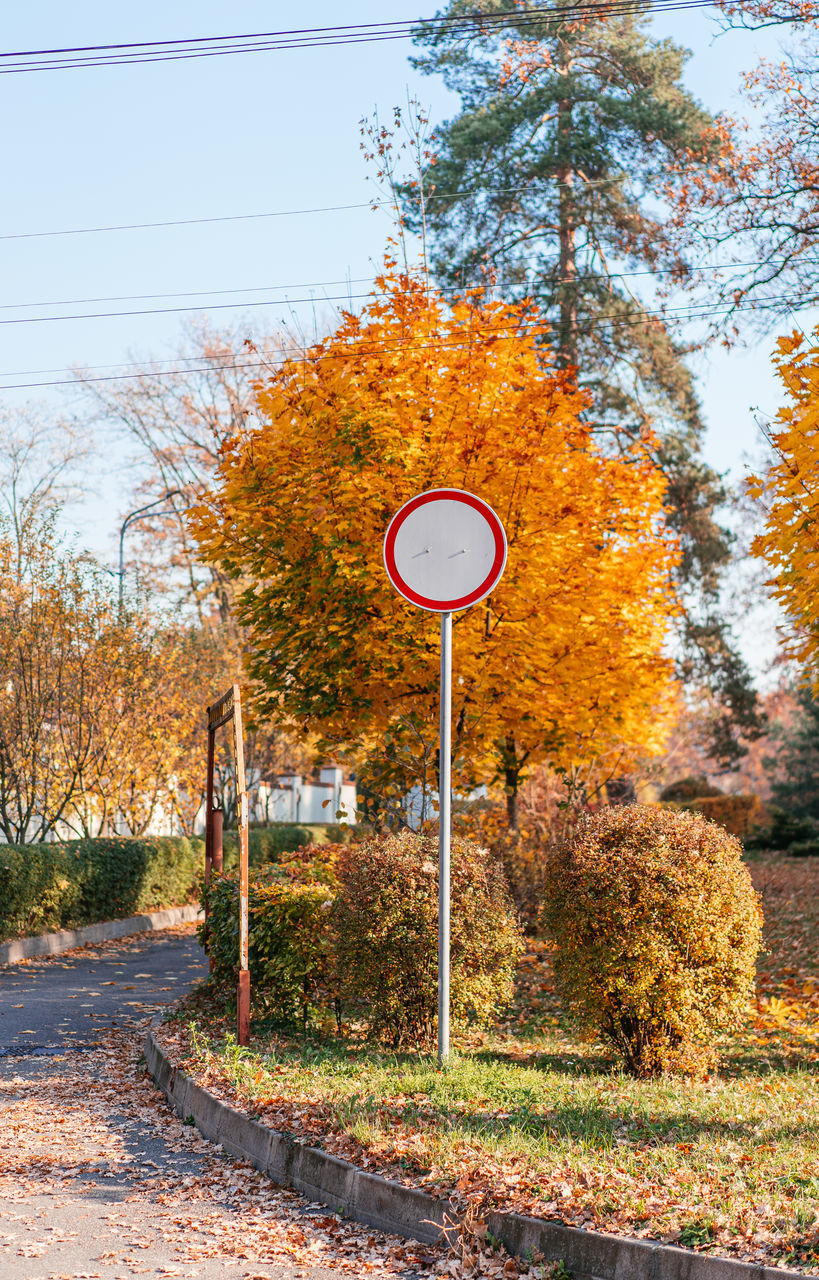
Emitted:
<point x="512" y="782"/>
<point x="567" y="267"/>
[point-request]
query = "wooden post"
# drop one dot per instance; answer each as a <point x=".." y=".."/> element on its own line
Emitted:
<point x="229" y="707"/>
<point x="209" y="828"/>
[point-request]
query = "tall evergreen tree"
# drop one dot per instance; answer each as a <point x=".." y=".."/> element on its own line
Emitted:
<point x="545" y="185"/>
<point x="796" y="787"/>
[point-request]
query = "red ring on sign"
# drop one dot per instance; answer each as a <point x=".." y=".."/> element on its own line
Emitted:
<point x="492" y="577"/>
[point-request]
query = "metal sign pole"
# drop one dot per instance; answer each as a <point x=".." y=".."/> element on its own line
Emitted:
<point x="444" y="827"/>
<point x="209" y="832"/>
<point x="444" y="550"/>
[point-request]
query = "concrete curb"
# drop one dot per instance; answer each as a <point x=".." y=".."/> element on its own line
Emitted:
<point x="50" y="944"/>
<point x="389" y="1206"/>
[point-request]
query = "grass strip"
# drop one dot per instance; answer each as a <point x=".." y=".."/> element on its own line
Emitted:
<point x="532" y="1119"/>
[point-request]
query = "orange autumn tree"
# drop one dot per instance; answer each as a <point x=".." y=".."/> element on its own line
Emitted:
<point x="412" y="395"/>
<point x="790" y="495"/>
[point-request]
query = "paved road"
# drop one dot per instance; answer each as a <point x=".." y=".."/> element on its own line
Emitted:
<point x="65" y="1003"/>
<point x="98" y="1178"/>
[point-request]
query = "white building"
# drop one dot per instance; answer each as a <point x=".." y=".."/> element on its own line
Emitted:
<point x="293" y="799"/>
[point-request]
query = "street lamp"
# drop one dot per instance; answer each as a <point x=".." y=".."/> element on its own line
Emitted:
<point x="140" y="514"/>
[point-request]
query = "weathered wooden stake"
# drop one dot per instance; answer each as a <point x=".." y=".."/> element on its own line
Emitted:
<point x="229" y="708"/>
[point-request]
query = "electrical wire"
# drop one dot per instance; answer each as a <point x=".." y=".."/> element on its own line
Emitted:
<point x="188" y="222"/>
<point x="190" y="293"/>
<point x="150" y="51"/>
<point x="282" y="213"/>
<point x="351" y="280"/>
<point x="246" y="303"/>
<point x="642" y="317"/>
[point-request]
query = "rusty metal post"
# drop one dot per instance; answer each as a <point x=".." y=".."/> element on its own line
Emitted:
<point x="216" y="844"/>
<point x="243" y="990"/>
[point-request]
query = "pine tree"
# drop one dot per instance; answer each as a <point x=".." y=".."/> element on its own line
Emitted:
<point x="796" y="788"/>
<point x="544" y="186"/>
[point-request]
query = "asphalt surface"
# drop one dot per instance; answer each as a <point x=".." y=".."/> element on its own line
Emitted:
<point x="99" y="1179"/>
<point x="63" y="1003"/>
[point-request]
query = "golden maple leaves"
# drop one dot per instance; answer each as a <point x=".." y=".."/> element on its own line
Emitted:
<point x="790" y="495"/>
<point x="412" y="395"/>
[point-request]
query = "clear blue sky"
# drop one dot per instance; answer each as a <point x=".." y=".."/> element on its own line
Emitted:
<point x="245" y="134"/>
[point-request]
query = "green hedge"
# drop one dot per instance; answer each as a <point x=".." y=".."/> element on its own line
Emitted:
<point x="44" y="887"/>
<point x="267" y="844"/>
<point x="288" y="949"/>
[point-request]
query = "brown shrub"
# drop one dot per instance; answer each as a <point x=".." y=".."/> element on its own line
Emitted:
<point x="522" y="851"/>
<point x="385" y="921"/>
<point x="657" y="928"/>
<point x="738" y="814"/>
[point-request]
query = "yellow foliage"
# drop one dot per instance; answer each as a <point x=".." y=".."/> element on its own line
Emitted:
<point x="100" y="709"/>
<point x="790" y="493"/>
<point x="409" y="396"/>
<point x="657" y="928"/>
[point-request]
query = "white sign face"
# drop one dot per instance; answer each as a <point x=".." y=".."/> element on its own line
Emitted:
<point x="445" y="550"/>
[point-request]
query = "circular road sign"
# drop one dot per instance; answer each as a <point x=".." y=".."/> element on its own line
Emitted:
<point x="445" y="550"/>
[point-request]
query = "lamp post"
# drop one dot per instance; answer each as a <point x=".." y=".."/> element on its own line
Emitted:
<point x="132" y="516"/>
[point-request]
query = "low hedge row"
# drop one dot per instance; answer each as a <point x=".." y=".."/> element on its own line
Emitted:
<point x="267" y="844"/>
<point x="45" y="887"/>
<point x="739" y="815"/>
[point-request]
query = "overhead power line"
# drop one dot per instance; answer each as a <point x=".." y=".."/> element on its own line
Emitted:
<point x="637" y="317"/>
<point x="322" y="285"/>
<point x="196" y="293"/>
<point x="432" y="197"/>
<point x="190" y="222"/>
<point x="286" y="301"/>
<point x="149" y="51"/>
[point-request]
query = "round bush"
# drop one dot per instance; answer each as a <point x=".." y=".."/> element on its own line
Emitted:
<point x="288" y="941"/>
<point x="657" y="927"/>
<point x="689" y="788"/>
<point x="385" y="920"/>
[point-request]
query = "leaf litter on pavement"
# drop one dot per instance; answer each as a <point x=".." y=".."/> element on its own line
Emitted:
<point x="94" y="1120"/>
<point x="89" y="1121"/>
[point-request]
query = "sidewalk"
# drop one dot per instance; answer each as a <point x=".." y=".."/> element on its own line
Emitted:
<point x="99" y="1179"/>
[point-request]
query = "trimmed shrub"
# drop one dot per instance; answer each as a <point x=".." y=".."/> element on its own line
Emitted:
<point x="312" y="864"/>
<point x="264" y="844"/>
<point x="270" y="844"/>
<point x="40" y="889"/>
<point x="44" y="887"/>
<point x="657" y="928"/>
<point x="385" y="926"/>
<point x="689" y="788"/>
<point x="737" y="814"/>
<point x="288" y="941"/>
